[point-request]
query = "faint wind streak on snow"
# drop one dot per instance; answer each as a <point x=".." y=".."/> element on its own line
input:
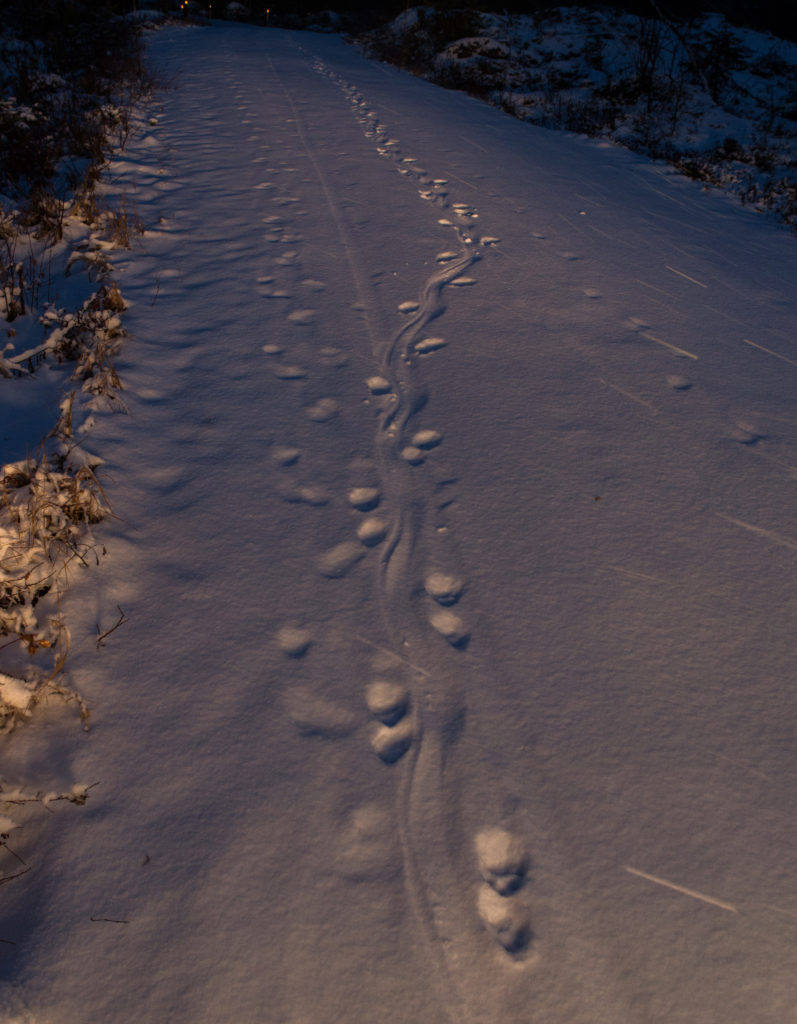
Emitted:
<point x="628" y="394"/>
<point x="680" y="273"/>
<point x="682" y="889"/>
<point x="769" y="351"/>
<point x="653" y="288"/>
<point x="667" y="344"/>
<point x="470" y="142"/>
<point x="635" y="575"/>
<point x="785" y="542"/>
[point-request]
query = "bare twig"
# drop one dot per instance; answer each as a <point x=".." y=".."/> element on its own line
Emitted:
<point x="10" y="878"/>
<point x="120" y="622"/>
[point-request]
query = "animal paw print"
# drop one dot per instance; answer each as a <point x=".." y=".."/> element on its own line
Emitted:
<point x="389" y="703"/>
<point x="503" y="864"/>
<point x="445" y="590"/>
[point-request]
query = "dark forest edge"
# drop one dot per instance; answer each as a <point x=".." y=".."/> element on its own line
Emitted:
<point x="70" y="73"/>
<point x="363" y="15"/>
<point x="715" y="101"/>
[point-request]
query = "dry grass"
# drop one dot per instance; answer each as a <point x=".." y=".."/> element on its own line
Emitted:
<point x="51" y="501"/>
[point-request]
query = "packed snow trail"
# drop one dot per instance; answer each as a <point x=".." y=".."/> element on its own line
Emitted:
<point x="455" y="537"/>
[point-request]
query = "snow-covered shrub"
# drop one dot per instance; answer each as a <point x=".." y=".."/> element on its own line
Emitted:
<point x="671" y="87"/>
<point x="476" y="65"/>
<point x="236" y="11"/>
<point x="417" y="36"/>
<point x="68" y="76"/>
<point x="21" y="272"/>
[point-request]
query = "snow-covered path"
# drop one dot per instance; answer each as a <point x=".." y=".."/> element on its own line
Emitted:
<point x="457" y="494"/>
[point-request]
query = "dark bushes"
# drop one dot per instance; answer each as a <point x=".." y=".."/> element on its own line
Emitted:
<point x="66" y="69"/>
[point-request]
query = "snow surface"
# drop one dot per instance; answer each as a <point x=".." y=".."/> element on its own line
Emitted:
<point x="604" y="709"/>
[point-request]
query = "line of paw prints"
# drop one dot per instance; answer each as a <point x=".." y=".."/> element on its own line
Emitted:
<point x="394" y="723"/>
<point x="503" y="864"/>
<point x="462" y="215"/>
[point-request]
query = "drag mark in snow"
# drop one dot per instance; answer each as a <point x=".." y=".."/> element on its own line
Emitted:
<point x="680" y="273"/>
<point x="785" y="542"/>
<point x="682" y="889"/>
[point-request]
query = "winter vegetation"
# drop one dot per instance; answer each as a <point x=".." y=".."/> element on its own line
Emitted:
<point x="715" y="100"/>
<point x="70" y="78"/>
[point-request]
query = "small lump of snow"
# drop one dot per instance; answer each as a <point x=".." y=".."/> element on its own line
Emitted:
<point x="505" y="919"/>
<point x="289" y="372"/>
<point x="14" y="692"/>
<point x="316" y="715"/>
<point x="372" y="530"/>
<point x="427" y="438"/>
<point x="386" y="700"/>
<point x="302" y="316"/>
<point x="502" y="859"/>
<point x="392" y="742"/>
<point x="378" y="385"/>
<point x="323" y="410"/>
<point x="294" y="640"/>
<point x="429" y="345"/>
<point x="285" y="455"/>
<point x="450" y="626"/>
<point x="364" y="498"/>
<point x="6" y="825"/>
<point x="311" y="494"/>
<point x="443" y="587"/>
<point x="339" y="560"/>
<point x="412" y="455"/>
